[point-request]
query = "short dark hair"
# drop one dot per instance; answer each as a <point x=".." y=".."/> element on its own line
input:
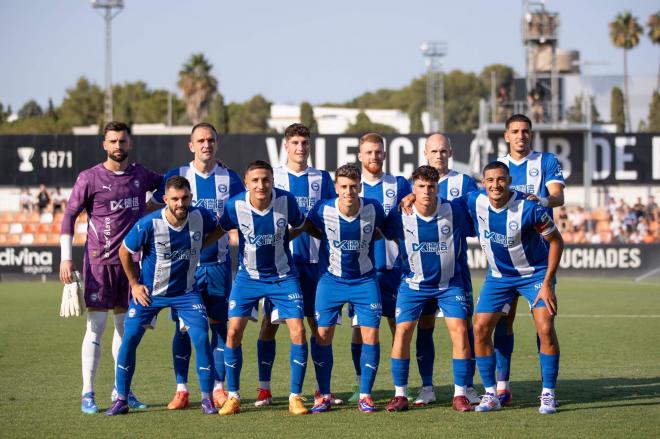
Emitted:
<point x="496" y="165"/>
<point x="116" y="126"/>
<point x="177" y="182"/>
<point x="426" y="172"/>
<point x="296" y="129"/>
<point x="517" y="118"/>
<point x="203" y="125"/>
<point x="349" y="171"/>
<point x="259" y="164"/>
<point x="372" y="138"/>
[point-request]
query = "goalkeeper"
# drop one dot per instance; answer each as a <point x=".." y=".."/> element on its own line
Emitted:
<point x="113" y="194"/>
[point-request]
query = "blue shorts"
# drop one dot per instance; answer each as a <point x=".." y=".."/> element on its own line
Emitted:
<point x="497" y="294"/>
<point x="388" y="282"/>
<point x="284" y="294"/>
<point x="214" y="284"/>
<point x="309" y="279"/>
<point x="431" y="307"/>
<point x="189" y="307"/>
<point x="452" y="302"/>
<point x="363" y="294"/>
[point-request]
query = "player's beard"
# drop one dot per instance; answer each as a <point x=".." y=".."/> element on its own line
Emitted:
<point x="179" y="213"/>
<point x="373" y="167"/>
<point x="118" y="156"/>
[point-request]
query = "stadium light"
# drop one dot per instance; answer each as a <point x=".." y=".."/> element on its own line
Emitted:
<point x="111" y="9"/>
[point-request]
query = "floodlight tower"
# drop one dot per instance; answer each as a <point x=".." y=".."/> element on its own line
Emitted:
<point x="111" y="9"/>
<point x="433" y="51"/>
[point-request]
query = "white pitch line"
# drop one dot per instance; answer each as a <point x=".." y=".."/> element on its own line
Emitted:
<point x="611" y="316"/>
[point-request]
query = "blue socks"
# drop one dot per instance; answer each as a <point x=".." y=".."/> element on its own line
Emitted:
<point x="425" y="355"/>
<point x="549" y="369"/>
<point x="298" y="365"/>
<point x="461" y="369"/>
<point x="503" y="344"/>
<point x="181" y="350"/>
<point x="203" y="357"/>
<point x="126" y="358"/>
<point x="369" y="365"/>
<point x="356" y="353"/>
<point x="400" y="371"/>
<point x="218" y="337"/>
<point x="233" y="365"/>
<point x="323" y="362"/>
<point x="486" y="367"/>
<point x="265" y="358"/>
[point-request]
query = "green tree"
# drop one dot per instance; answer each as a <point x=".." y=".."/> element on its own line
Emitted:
<point x="625" y="32"/>
<point x="653" y="23"/>
<point x="616" y="109"/>
<point x="30" y="109"/>
<point x="198" y="86"/>
<point x="654" y="113"/>
<point x="251" y="117"/>
<point x="51" y="112"/>
<point x="575" y="114"/>
<point x="415" y="116"/>
<point x="462" y="94"/>
<point x="503" y="75"/>
<point x="82" y="105"/>
<point x="218" y="114"/>
<point x="307" y="117"/>
<point x="364" y="125"/>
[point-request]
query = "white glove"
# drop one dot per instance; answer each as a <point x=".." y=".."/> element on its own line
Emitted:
<point x="73" y="302"/>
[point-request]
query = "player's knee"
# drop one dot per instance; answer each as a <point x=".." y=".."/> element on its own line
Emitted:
<point x="481" y="332"/>
<point x="297" y="333"/>
<point x="324" y="336"/>
<point x="234" y="336"/>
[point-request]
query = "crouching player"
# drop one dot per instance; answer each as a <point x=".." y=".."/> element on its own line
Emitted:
<point x="432" y="239"/>
<point x="262" y="216"/>
<point x="511" y="232"/>
<point x="171" y="242"/>
<point x="347" y="226"/>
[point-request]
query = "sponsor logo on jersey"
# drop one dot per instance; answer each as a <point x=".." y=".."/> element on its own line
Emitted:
<point x="350" y="244"/>
<point x="305" y="203"/>
<point x="211" y="204"/>
<point x="498" y="238"/>
<point x="261" y="240"/>
<point x="430" y="247"/>
<point x="295" y="296"/>
<point x="125" y="203"/>
<point x="180" y="255"/>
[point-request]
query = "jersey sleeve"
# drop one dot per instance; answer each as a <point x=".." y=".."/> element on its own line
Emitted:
<point x="392" y="227"/>
<point x="154" y="180"/>
<point x="137" y="237"/>
<point x="160" y="191"/>
<point x="76" y="204"/>
<point x="314" y="216"/>
<point x="470" y="185"/>
<point x="236" y="185"/>
<point x="228" y="219"/>
<point x="542" y="221"/>
<point x="552" y="171"/>
<point x="403" y="189"/>
<point x="328" y="186"/>
<point x="296" y="217"/>
<point x="462" y="217"/>
<point x="209" y="219"/>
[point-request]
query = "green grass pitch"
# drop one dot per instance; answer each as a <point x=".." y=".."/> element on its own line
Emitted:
<point x="609" y="383"/>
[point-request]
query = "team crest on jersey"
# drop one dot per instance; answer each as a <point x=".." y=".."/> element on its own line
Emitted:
<point x="534" y="172"/>
<point x="368" y="228"/>
<point x="197" y="236"/>
<point x="454" y="192"/>
<point x="445" y="230"/>
<point x="316" y="186"/>
<point x="390" y="193"/>
<point x="281" y="222"/>
<point x="513" y="225"/>
<point x="222" y="188"/>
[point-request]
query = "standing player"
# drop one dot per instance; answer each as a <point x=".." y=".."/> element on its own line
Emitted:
<point x="388" y="190"/>
<point x="433" y="244"/>
<point x="309" y="185"/>
<point x="513" y="233"/>
<point x="539" y="175"/>
<point x="212" y="184"/>
<point x="113" y="194"/>
<point x="347" y="225"/>
<point x="170" y="240"/>
<point x="262" y="215"/>
<point x="452" y="184"/>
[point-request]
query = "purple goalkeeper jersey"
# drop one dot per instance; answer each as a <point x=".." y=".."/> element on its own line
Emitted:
<point x="113" y="202"/>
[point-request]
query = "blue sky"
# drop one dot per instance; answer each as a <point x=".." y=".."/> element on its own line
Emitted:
<point x="288" y="50"/>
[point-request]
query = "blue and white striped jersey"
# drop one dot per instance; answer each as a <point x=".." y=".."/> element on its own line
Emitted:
<point x="263" y="245"/>
<point x="388" y="191"/>
<point x="211" y="192"/>
<point x="454" y="184"/>
<point x="534" y="172"/>
<point x="170" y="254"/>
<point x="511" y="236"/>
<point x="434" y="248"/>
<point x="309" y="187"/>
<point x="347" y="247"/>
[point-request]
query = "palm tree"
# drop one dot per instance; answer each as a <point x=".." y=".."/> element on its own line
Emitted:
<point x="625" y="32"/>
<point x="198" y="86"/>
<point x="653" y="24"/>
